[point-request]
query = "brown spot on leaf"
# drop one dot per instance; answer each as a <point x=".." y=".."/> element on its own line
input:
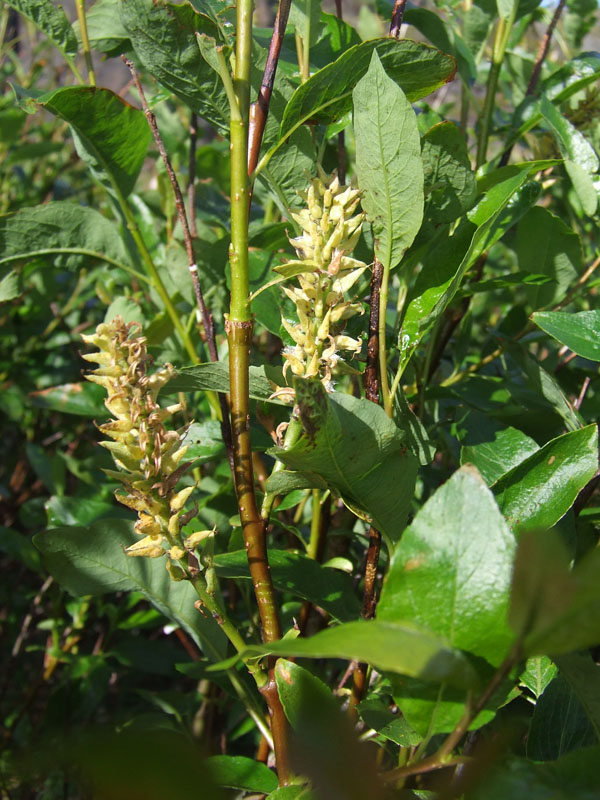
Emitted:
<point x="414" y="563"/>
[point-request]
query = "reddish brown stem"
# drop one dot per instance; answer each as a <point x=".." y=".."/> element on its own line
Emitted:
<point x="191" y="191"/>
<point x="397" y="15"/>
<point x="240" y="339"/>
<point x="207" y="320"/>
<point x="372" y="560"/>
<point x="260" y="110"/>
<point x="371" y="374"/>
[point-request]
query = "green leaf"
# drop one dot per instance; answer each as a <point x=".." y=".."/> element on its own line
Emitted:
<point x="292" y="793"/>
<point x="392" y="726"/>
<point x="84" y="399"/>
<point x="77" y="511"/>
<point x="442" y="274"/>
<point x="19" y="547"/>
<point x="106" y="32"/>
<point x="571" y="142"/>
<point x="572" y="777"/>
<point x="403" y="649"/>
<point x="546" y="245"/>
<point x="354" y="446"/>
<point x="10" y="286"/>
<point x="542" y="488"/>
<point x="51" y="20"/>
<point x="240" y="772"/>
<point x="579" y="332"/>
<point x="539" y="671"/>
<point x="163" y="37"/>
<point x="450" y="186"/>
<point x="583" y="676"/>
<point x="388" y="163"/>
<point x="111" y="136"/>
<point x="554" y="609"/>
<point x="491" y="447"/>
<point x="286" y="480"/>
<point x="583" y="184"/>
<point x="327" y="95"/>
<point x="541" y="387"/>
<point x="297" y="686"/>
<point x="559" y="723"/>
<point x="323" y="745"/>
<point x="433" y="581"/>
<point x="90" y="560"/>
<point x="303" y="577"/>
<point x="214" y="376"/>
<point x="60" y="233"/>
<point x="305" y="16"/>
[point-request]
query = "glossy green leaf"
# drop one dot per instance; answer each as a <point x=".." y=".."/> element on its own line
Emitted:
<point x="542" y="488"/>
<point x="546" y="245"/>
<point x="450" y="186"/>
<point x="294" y="683"/>
<point x="354" y="446"/>
<point x="571" y="142"/>
<point x="431" y="709"/>
<point x="286" y="480"/>
<point x="90" y="561"/>
<point x="85" y="399"/>
<point x="539" y="671"/>
<point x="388" y="163"/>
<point x="323" y="745"/>
<point x="432" y="580"/>
<point x="491" y="447"/>
<point x="389" y="725"/>
<point x="327" y="95"/>
<point x="554" y="609"/>
<point x="303" y="577"/>
<point x="60" y="233"/>
<point x="579" y="332"/>
<point x="450" y="259"/>
<point x="111" y="136"/>
<point x="164" y="40"/>
<point x="214" y="376"/>
<point x="541" y="387"/>
<point x="559" y="723"/>
<point x="583" y="183"/>
<point x="51" y="21"/>
<point x="76" y="511"/>
<point x="241" y="772"/>
<point x="404" y="649"/>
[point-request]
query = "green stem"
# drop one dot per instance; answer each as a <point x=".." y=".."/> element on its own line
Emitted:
<point x="80" y="6"/>
<point x="48" y="251"/>
<point x="315" y="525"/>
<point x="239" y="335"/>
<point x="500" y="42"/>
<point x="293" y="433"/>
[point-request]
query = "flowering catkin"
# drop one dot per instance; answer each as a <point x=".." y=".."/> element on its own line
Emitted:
<point x="325" y="273"/>
<point x="148" y="456"/>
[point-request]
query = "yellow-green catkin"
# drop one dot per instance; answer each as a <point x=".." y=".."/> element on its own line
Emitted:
<point x="325" y="273"/>
<point x="149" y="457"/>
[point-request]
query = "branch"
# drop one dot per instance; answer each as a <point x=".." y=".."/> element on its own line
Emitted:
<point x="260" y="110"/>
<point x="372" y="560"/>
<point x="397" y="15"/>
<point x="203" y="312"/>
